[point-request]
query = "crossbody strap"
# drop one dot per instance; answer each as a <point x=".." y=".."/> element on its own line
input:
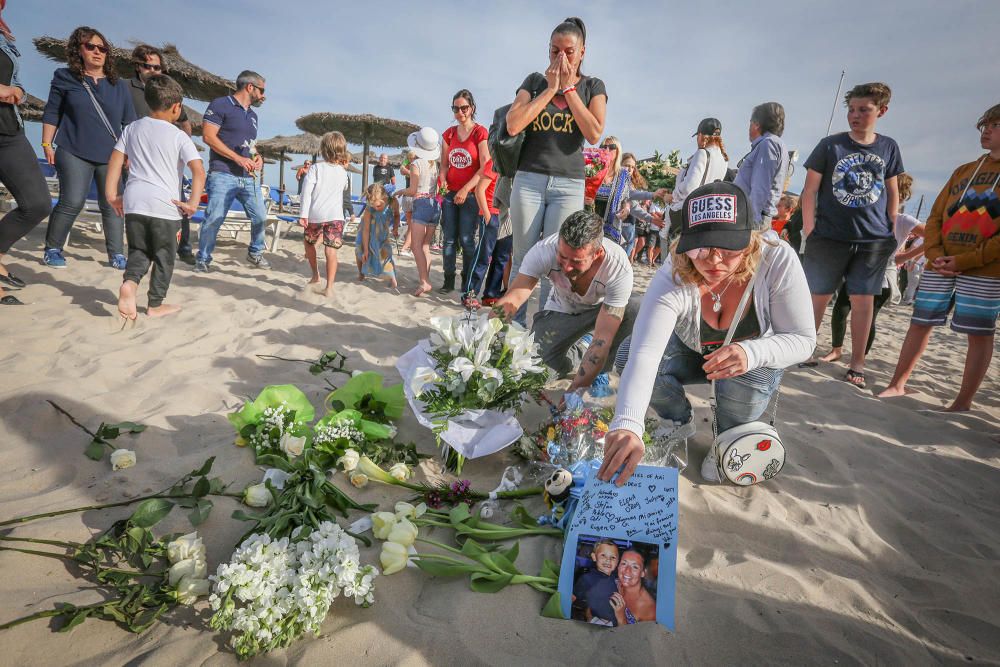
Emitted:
<point x="704" y="175"/>
<point x="744" y="300"/>
<point x="100" y="110"/>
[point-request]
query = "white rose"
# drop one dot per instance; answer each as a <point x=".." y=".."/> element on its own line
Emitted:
<point x="349" y="461"/>
<point x="404" y="532"/>
<point x="257" y="495"/>
<point x="292" y="445"/>
<point x="189" y="589"/>
<point x="196" y="568"/>
<point x="122" y="458"/>
<point x="382" y="524"/>
<point x="400" y="472"/>
<point x="359" y="479"/>
<point x="185" y="546"/>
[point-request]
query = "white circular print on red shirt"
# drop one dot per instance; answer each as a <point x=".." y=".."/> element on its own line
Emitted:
<point x="459" y="158"/>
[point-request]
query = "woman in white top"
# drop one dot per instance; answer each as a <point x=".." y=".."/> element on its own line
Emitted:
<point x="322" y="206"/>
<point x="684" y="317"/>
<point x="425" y="144"/>
<point x="708" y="164"/>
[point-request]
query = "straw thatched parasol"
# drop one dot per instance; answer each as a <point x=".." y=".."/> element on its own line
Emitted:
<point x="281" y="147"/>
<point x="197" y="83"/>
<point x="364" y="129"/>
<point x="196" y="118"/>
<point x="31" y="108"/>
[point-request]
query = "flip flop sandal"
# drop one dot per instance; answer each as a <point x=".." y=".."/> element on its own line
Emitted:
<point x="853" y="376"/>
<point x="809" y="364"/>
<point x="10" y="300"/>
<point x="10" y="280"/>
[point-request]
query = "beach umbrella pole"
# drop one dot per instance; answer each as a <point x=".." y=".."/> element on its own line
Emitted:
<point x="364" y="161"/>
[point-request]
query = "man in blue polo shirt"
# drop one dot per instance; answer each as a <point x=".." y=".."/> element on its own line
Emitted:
<point x="230" y="130"/>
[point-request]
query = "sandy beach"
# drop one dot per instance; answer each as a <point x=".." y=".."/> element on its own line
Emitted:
<point x="878" y="544"/>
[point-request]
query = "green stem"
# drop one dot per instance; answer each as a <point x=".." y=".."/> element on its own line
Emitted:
<point x="54" y="543"/>
<point x="72" y="419"/>
<point x="116" y="570"/>
<point x="440" y="546"/>
<point x="54" y="612"/>
<point x="87" y="508"/>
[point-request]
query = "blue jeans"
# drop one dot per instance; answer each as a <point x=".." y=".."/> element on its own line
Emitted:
<point x="739" y="400"/>
<point x="491" y="258"/>
<point x="628" y="237"/>
<point x="458" y="225"/>
<point x="538" y="206"/>
<point x="222" y="189"/>
<point x="75" y="176"/>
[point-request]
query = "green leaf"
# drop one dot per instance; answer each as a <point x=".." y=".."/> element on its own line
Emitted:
<point x="205" y="468"/>
<point x="524" y="518"/>
<point x="128" y="427"/>
<point x="459" y="513"/>
<point x="200" y="512"/>
<point x="78" y="618"/>
<point x="550" y="569"/>
<point x="216" y="485"/>
<point x="512" y="553"/>
<point x="95" y="450"/>
<point x="201" y="488"/>
<point x="504" y="563"/>
<point x="107" y="431"/>
<point x="240" y="515"/>
<point x="489" y="583"/>
<point x="368" y="383"/>
<point x="553" y="608"/>
<point x="150" y="512"/>
<point x="472" y="549"/>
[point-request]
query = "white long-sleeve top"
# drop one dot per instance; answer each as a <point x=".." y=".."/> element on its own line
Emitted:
<point x="323" y="193"/>
<point x="691" y="176"/>
<point x="784" y="312"/>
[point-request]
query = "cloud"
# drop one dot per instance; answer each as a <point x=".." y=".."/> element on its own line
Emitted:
<point x="666" y="65"/>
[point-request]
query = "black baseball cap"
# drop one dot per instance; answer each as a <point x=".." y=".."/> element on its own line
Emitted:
<point x="715" y="215"/>
<point x="710" y="127"/>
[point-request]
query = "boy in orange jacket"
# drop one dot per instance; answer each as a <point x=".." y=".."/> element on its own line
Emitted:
<point x="962" y="246"/>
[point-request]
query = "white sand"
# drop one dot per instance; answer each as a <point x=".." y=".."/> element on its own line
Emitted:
<point x="878" y="544"/>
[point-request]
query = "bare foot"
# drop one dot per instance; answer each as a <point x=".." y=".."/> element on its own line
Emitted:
<point x="955" y="407"/>
<point x="361" y="278"/>
<point x="833" y="355"/>
<point x="892" y="391"/>
<point x="314" y="280"/>
<point x="163" y="309"/>
<point x="393" y="283"/>
<point x="328" y="292"/>
<point x="126" y="300"/>
<point x="423" y="289"/>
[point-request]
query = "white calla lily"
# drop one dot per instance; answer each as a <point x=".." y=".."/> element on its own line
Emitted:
<point x="422" y="377"/>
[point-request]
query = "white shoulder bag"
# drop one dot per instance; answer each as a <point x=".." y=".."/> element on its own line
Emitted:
<point x="747" y="453"/>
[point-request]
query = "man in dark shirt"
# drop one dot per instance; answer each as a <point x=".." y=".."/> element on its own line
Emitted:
<point x="148" y="61"/>
<point x="230" y="130"/>
<point x="383" y="172"/>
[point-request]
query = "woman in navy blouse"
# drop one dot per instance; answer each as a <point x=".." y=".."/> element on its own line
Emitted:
<point x="87" y="108"/>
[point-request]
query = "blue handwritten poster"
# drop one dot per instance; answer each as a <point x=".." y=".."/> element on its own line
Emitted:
<point x="619" y="562"/>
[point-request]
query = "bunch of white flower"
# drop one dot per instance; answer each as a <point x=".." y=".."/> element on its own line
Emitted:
<point x="271" y="591"/>
<point x="341" y="431"/>
<point x="276" y="432"/>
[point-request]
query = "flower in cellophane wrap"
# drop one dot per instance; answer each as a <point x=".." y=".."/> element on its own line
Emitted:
<point x="595" y="167"/>
<point x="465" y="381"/>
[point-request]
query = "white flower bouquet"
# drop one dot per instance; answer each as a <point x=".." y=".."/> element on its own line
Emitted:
<point x="466" y="380"/>
<point x="273" y="591"/>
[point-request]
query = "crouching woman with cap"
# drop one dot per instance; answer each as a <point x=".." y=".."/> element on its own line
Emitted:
<point x="685" y="316"/>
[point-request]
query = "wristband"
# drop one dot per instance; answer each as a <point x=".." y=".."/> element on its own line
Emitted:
<point x="568" y="89"/>
<point x="46" y="144"/>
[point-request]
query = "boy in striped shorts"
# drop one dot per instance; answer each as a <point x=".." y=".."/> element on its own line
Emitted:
<point x="963" y="268"/>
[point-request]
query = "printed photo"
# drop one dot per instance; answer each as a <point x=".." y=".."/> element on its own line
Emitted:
<point x="614" y="581"/>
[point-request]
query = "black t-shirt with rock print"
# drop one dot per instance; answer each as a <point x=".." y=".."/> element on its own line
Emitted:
<point x="382" y="174"/>
<point x="553" y="143"/>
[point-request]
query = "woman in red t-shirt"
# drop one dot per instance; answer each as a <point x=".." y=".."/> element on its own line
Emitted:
<point x="463" y="152"/>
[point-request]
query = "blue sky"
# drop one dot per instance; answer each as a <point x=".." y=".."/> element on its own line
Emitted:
<point x="666" y="64"/>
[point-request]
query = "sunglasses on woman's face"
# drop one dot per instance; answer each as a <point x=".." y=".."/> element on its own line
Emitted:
<point x="464" y="108"/>
<point x="154" y="68"/>
<point x="100" y="48"/>
<point x="611" y="147"/>
<point x="703" y="253"/>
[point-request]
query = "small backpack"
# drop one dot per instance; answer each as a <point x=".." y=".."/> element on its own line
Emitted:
<point x="505" y="150"/>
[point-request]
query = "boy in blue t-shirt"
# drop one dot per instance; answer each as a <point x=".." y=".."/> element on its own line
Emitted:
<point x="848" y="231"/>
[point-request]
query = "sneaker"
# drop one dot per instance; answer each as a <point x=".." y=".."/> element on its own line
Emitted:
<point x="259" y="261"/>
<point x="671" y="430"/>
<point x="200" y="266"/>
<point x="118" y="262"/>
<point x="186" y="256"/>
<point x="54" y="258"/>
<point x="710" y="467"/>
<point x="436" y="247"/>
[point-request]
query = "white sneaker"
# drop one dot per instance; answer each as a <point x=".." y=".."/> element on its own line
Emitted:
<point x="710" y="467"/>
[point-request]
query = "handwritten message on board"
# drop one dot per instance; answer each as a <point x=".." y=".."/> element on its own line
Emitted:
<point x="643" y="510"/>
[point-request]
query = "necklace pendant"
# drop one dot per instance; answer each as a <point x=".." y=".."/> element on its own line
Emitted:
<point x="717" y="306"/>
